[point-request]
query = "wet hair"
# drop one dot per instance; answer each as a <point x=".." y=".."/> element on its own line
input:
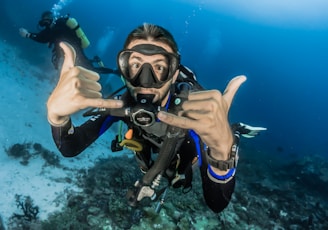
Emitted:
<point x="152" y="32"/>
<point x="47" y="15"/>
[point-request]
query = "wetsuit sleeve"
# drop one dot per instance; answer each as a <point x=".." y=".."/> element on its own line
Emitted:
<point x="71" y="140"/>
<point x="217" y="195"/>
<point x="43" y="36"/>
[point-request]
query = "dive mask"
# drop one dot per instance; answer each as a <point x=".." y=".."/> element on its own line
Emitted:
<point x="45" y="22"/>
<point x="145" y="74"/>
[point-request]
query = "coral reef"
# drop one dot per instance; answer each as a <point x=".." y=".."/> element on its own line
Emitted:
<point x="2" y="226"/>
<point x="25" y="151"/>
<point x="20" y="151"/>
<point x="268" y="196"/>
<point x="27" y="216"/>
<point x="29" y="211"/>
<point x="262" y="200"/>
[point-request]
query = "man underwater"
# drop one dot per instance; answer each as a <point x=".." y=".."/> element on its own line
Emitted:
<point x="166" y="113"/>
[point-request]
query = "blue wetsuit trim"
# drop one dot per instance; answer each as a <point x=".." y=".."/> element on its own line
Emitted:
<point x="107" y="123"/>
<point x="195" y="137"/>
<point x="229" y="174"/>
<point x="166" y="106"/>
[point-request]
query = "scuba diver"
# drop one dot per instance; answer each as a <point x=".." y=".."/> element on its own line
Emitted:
<point x="67" y="29"/>
<point x="173" y="124"/>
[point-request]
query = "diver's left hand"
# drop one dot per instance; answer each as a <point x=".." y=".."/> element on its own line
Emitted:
<point x="206" y="112"/>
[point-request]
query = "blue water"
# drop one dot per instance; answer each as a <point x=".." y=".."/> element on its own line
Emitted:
<point x="281" y="47"/>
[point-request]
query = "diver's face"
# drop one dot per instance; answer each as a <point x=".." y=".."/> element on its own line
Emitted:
<point x="152" y="71"/>
<point x="46" y="22"/>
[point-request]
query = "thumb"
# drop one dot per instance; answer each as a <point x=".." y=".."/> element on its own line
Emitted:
<point x="69" y="57"/>
<point x="232" y="88"/>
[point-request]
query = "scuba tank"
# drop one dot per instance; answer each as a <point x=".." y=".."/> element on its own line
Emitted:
<point x="74" y="25"/>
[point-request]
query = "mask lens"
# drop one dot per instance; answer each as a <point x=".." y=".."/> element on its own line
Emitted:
<point x="161" y="70"/>
<point x="159" y="67"/>
<point x="163" y="67"/>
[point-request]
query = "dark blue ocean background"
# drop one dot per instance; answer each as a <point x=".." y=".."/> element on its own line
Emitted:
<point x="281" y="46"/>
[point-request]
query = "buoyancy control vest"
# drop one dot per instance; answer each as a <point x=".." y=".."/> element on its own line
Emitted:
<point x="175" y="162"/>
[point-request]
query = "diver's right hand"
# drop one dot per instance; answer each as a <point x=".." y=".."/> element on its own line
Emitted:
<point x="76" y="89"/>
<point x="24" y="33"/>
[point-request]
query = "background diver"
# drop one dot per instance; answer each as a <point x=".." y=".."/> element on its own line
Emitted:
<point x="65" y="28"/>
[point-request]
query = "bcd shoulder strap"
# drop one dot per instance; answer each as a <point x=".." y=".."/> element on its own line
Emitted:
<point x="187" y="75"/>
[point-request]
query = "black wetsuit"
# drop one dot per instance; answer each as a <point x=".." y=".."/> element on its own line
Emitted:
<point x="71" y="141"/>
<point x="58" y="32"/>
